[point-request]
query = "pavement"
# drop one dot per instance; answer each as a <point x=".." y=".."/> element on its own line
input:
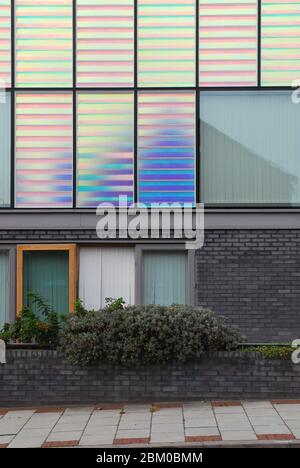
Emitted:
<point x="160" y="424"/>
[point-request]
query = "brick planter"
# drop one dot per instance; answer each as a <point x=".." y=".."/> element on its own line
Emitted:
<point x="42" y="377"/>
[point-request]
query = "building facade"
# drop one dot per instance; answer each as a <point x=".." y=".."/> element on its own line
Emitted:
<point x="179" y="101"/>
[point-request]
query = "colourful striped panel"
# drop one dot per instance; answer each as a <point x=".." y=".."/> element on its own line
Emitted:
<point x="105" y="136"/>
<point x="228" y="43"/>
<point x="5" y="46"/>
<point x="44" y="150"/>
<point x="166" y="42"/>
<point x="280" y="53"/>
<point x="105" y="48"/>
<point x="44" y="43"/>
<point x="166" y="147"/>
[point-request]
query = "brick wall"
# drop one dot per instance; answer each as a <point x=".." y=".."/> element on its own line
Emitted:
<point x="250" y="276"/>
<point x="33" y="377"/>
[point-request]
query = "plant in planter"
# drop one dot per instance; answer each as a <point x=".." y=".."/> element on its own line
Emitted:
<point x="149" y="334"/>
<point x="29" y="328"/>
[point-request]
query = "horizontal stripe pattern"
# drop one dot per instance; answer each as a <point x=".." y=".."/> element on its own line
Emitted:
<point x="280" y="52"/>
<point x="5" y="43"/>
<point x="228" y="43"/>
<point x="105" y="135"/>
<point x="44" y="150"/>
<point x="166" y="42"/>
<point x="166" y="147"/>
<point x="44" y="43"/>
<point x="105" y="43"/>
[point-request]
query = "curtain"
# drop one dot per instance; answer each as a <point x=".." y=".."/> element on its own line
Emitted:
<point x="4" y="287"/>
<point x="164" y="278"/>
<point x="5" y="150"/>
<point x="47" y="273"/>
<point x="250" y="147"/>
<point x="106" y="272"/>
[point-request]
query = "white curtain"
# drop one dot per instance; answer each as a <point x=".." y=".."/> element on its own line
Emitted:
<point x="106" y="272"/>
<point x="250" y="147"/>
<point x="4" y="287"/>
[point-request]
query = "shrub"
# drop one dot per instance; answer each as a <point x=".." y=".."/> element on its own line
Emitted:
<point x="150" y="334"/>
<point x="282" y="352"/>
<point x="28" y="328"/>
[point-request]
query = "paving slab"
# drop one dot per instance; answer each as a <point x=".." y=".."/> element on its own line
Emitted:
<point x="238" y="435"/>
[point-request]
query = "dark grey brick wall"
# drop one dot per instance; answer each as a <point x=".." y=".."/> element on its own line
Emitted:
<point x="44" y="377"/>
<point x="250" y="276"/>
<point x="253" y="278"/>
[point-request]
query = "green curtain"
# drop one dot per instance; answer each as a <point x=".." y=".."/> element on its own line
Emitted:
<point x="47" y="273"/>
<point x="164" y="278"/>
<point x="4" y="287"/>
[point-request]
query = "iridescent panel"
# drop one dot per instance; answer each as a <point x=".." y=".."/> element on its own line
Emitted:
<point x="166" y="42"/>
<point x="105" y="48"/>
<point x="280" y="42"/>
<point x="228" y="43"/>
<point x="43" y="43"/>
<point x="166" y="147"/>
<point x="44" y="156"/>
<point x="105" y="135"/>
<point x="5" y="47"/>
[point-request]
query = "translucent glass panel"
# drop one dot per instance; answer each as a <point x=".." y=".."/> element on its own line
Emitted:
<point x="105" y="136"/>
<point x="166" y="147"/>
<point x="250" y="148"/>
<point x="166" y="42"/>
<point x="44" y="154"/>
<point x="164" y="278"/>
<point x="5" y="44"/>
<point x="280" y="42"/>
<point x="5" y="149"/>
<point x="106" y="272"/>
<point x="43" y="43"/>
<point x="105" y="43"/>
<point x="47" y="273"/>
<point x="4" y="287"/>
<point x="228" y="43"/>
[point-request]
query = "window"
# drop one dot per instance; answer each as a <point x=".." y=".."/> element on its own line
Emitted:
<point x="106" y="272"/>
<point x="166" y="147"/>
<point x="5" y="45"/>
<point x="4" y="287"/>
<point x="5" y="157"/>
<point x="48" y="270"/>
<point x="228" y="43"/>
<point x="250" y="148"/>
<point x="166" y="43"/>
<point x="105" y="49"/>
<point x="44" y="155"/>
<point x="43" y="43"/>
<point x="280" y="52"/>
<point x="105" y="131"/>
<point x="164" y="278"/>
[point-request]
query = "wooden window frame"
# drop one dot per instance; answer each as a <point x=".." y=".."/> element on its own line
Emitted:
<point x="71" y="248"/>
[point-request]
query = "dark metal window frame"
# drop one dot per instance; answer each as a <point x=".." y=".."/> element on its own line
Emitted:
<point x="74" y="90"/>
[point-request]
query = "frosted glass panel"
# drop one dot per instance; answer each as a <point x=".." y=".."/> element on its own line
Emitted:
<point x="280" y="42"/>
<point x="105" y="131"/>
<point x="105" y="48"/>
<point x="164" y="278"/>
<point x="44" y="157"/>
<point x="4" y="287"/>
<point x="5" y="43"/>
<point x="106" y="272"/>
<point x="47" y="273"/>
<point x="5" y="158"/>
<point x="43" y="43"/>
<point x="166" y="42"/>
<point x="228" y="43"/>
<point x="250" y="148"/>
<point x="166" y="147"/>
